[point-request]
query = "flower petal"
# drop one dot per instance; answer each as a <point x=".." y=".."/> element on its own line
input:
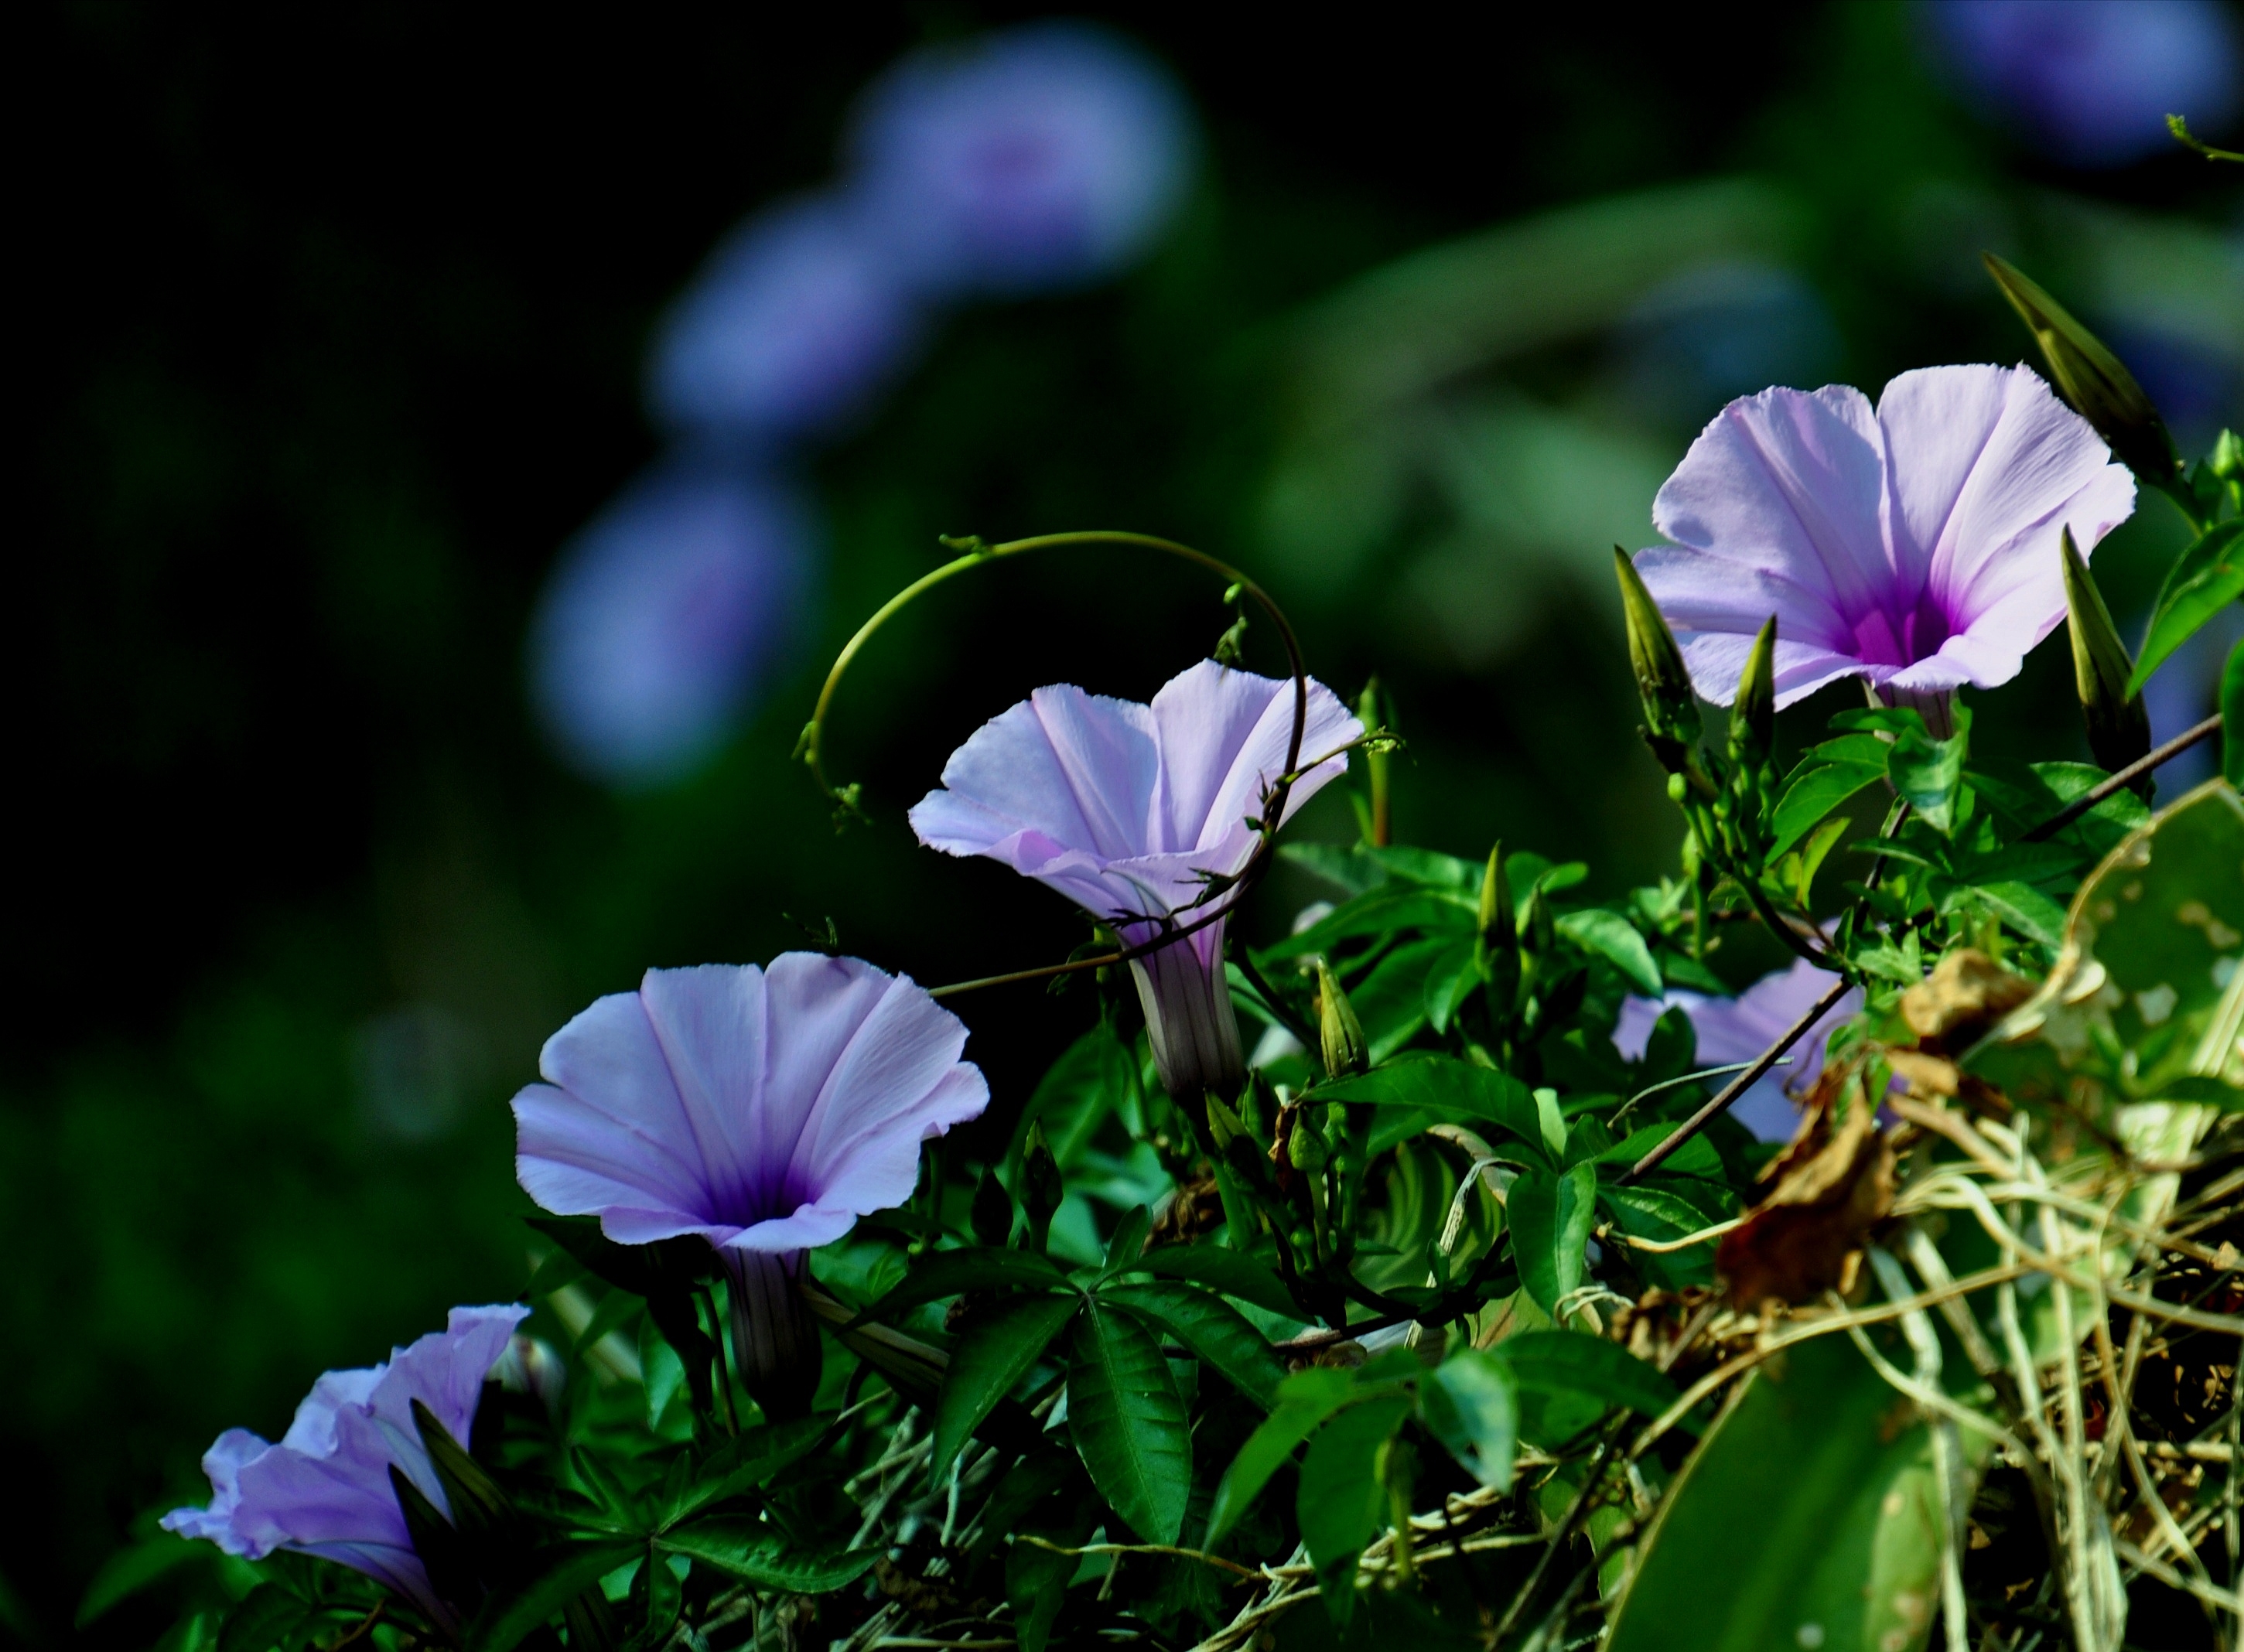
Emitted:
<point x="1223" y="736"/>
<point x="1078" y="768"/>
<point x="627" y="1122"/>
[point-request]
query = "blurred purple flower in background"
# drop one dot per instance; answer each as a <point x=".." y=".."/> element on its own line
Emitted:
<point x="2186" y="691"/>
<point x="791" y="327"/>
<point x="2091" y="82"/>
<point x="763" y="1109"/>
<point x="1738" y="1029"/>
<point x="1034" y="160"/>
<point x="1721" y="330"/>
<point x="324" y="1489"/>
<point x="1914" y="546"/>
<point x="1137" y="813"/>
<point x="660" y="616"/>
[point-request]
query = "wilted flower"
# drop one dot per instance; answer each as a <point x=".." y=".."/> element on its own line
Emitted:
<point x="792" y="324"/>
<point x="1041" y="158"/>
<point x="764" y="1110"/>
<point x="325" y="1488"/>
<point x="1914" y="546"/>
<point x="2091" y="82"/>
<point x="1141" y="815"/>
<point x="659" y="617"/>
<point x="1738" y="1029"/>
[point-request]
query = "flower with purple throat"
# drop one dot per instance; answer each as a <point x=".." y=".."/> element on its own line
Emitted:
<point x="1141" y="815"/>
<point x="1738" y="1029"/>
<point x="1914" y="545"/>
<point x="763" y="1109"/>
<point x="325" y="1487"/>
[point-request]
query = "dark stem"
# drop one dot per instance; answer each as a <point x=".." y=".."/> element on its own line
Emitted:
<point x="1565" y="1534"/>
<point x="1302" y="1032"/>
<point x="1737" y="1087"/>
<point x="2142" y="765"/>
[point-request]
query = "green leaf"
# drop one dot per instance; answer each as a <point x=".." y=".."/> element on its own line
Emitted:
<point x="1614" y="938"/>
<point x="1129" y="1422"/>
<point x="997" y="1344"/>
<point x="1129" y="1240"/>
<point x="1930" y="773"/>
<point x="2232" y="718"/>
<point x="1452" y="1089"/>
<point x="1341" y="1504"/>
<point x="261" y="1619"/>
<point x="2204" y="579"/>
<point x="2025" y="909"/>
<point x="1305" y="1399"/>
<point x="1695" y="1157"/>
<point x="1233" y="1272"/>
<point x="1471" y="1406"/>
<point x="476" y="1502"/>
<point x="1812" y="1500"/>
<point x="1213" y="1329"/>
<point x="128" y="1571"/>
<point x="1573" y="1362"/>
<point x="1455" y="975"/>
<point x="744" y="1547"/>
<point x="1390" y="1001"/>
<point x="1813" y="792"/>
<point x="1550" y="1217"/>
<point x="950" y="1273"/>
<point x="1036" y="1583"/>
<point x="746" y="1462"/>
<point x="1092" y="1078"/>
<point x="1390" y="907"/>
<point x="559" y="1575"/>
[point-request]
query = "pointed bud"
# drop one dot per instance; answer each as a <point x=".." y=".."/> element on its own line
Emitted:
<point x="1671" y="708"/>
<point x="1339" y="1033"/>
<point x="2097" y="383"/>
<point x="1498" y="922"/>
<point x="1042" y="1187"/>
<point x="1306" y="1148"/>
<point x="2227" y="459"/>
<point x="2118" y="727"/>
<point x="1376" y="762"/>
<point x="1753" y="714"/>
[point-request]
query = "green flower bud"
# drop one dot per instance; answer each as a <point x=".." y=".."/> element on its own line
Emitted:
<point x="1753" y="714"/>
<point x="1222" y="1123"/>
<point x="2093" y="379"/>
<point x="1671" y="708"/>
<point x="1339" y="1033"/>
<point x="2118" y="727"/>
<point x="1042" y="1186"/>
<point x="1498" y="924"/>
<point x="1304" y="1148"/>
<point x="2227" y="459"/>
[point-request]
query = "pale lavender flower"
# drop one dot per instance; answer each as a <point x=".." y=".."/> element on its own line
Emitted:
<point x="2091" y="82"/>
<point x="1041" y="158"/>
<point x="793" y="325"/>
<point x="325" y="1488"/>
<point x="1914" y="546"/>
<point x="1738" y="1029"/>
<point x="763" y="1109"/>
<point x="660" y="616"/>
<point x="1139" y="813"/>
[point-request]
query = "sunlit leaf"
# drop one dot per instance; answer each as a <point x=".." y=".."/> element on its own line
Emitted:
<point x="1305" y="1399"/>
<point x="1129" y="1421"/>
<point x="1614" y="938"/>
<point x="1471" y="1406"/>
<point x="1341" y="1504"/>
<point x="2205" y="578"/>
<point x="1550" y="1217"/>
<point x="1451" y="1088"/>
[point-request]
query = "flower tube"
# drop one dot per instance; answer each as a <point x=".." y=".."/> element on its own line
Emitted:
<point x="764" y="1110"/>
<point x="325" y="1488"/>
<point x="1914" y="546"/>
<point x="1140" y="814"/>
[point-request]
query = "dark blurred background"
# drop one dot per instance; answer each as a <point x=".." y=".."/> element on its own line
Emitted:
<point x="335" y="327"/>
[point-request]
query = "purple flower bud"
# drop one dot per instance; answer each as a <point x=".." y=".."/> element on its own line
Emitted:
<point x="2091" y="82"/>
<point x="1914" y="545"/>
<point x="1042" y="158"/>
<point x="764" y="1110"/>
<point x="325" y="1488"/>
<point x="792" y="325"/>
<point x="1139" y="813"/>
<point x="1738" y="1029"/>
<point x="660" y="616"/>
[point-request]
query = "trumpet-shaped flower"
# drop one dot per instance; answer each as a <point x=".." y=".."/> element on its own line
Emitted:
<point x="764" y="1110"/>
<point x="1914" y="546"/>
<point x="325" y="1488"/>
<point x="1738" y="1029"/>
<point x="1141" y="815"/>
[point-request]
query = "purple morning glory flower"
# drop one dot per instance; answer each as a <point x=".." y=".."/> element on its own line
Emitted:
<point x="1914" y="546"/>
<point x="1738" y="1029"/>
<point x="790" y="328"/>
<point x="325" y="1487"/>
<point x="763" y="1109"/>
<point x="2091" y="82"/>
<point x="1129" y="810"/>
<point x="659" y="617"/>
<point x="1039" y="158"/>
